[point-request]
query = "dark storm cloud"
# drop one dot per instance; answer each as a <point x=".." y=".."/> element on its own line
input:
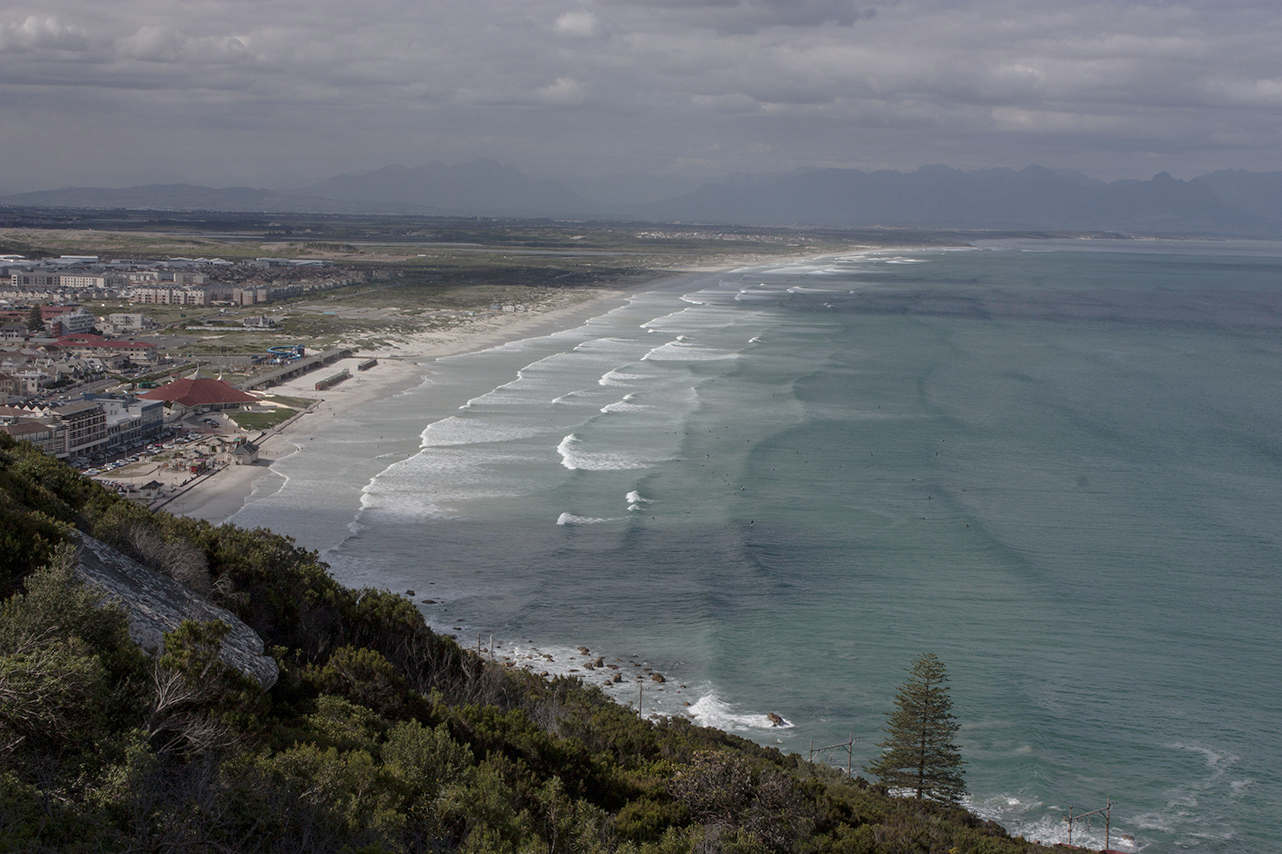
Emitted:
<point x="244" y="90"/>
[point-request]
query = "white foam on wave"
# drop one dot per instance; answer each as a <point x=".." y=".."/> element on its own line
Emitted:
<point x="1044" y="823"/>
<point x="571" y="519"/>
<point x="682" y="318"/>
<point x="455" y="430"/>
<point x="712" y="711"/>
<point x="617" y="377"/>
<point x="626" y="405"/>
<point x="677" y="351"/>
<point x="635" y="501"/>
<point x="575" y="458"/>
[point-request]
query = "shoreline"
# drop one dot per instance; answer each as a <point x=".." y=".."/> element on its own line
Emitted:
<point x="218" y="496"/>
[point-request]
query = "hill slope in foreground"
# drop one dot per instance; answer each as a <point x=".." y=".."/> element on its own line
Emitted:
<point x="377" y="735"/>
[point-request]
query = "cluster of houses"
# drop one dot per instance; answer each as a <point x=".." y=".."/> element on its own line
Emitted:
<point x="173" y="281"/>
<point x="99" y="425"/>
<point x="33" y="364"/>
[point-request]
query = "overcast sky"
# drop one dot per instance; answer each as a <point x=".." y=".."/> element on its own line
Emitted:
<point x="280" y="92"/>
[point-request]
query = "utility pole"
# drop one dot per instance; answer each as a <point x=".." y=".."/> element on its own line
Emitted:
<point x="1106" y="811"/>
<point x="847" y="746"/>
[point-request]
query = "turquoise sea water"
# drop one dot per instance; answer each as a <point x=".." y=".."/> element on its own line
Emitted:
<point x="1056" y="464"/>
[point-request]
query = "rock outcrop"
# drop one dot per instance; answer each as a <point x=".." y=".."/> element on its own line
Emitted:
<point x="156" y="604"/>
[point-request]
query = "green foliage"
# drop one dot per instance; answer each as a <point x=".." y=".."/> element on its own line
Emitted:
<point x="200" y="703"/>
<point x="363" y="676"/>
<point x="919" y="751"/>
<point x="67" y="665"/>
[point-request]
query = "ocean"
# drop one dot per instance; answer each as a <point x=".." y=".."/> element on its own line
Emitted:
<point x="1057" y="464"/>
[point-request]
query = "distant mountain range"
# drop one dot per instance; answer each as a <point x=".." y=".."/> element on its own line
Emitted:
<point x="1220" y="204"/>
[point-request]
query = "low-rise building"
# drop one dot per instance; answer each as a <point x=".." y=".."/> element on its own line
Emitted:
<point x="128" y="323"/>
<point x="86" y="425"/>
<point x="199" y="395"/>
<point x="96" y="345"/>
<point x="23" y="426"/>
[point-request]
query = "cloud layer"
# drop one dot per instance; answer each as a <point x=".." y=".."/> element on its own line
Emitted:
<point x="244" y="91"/>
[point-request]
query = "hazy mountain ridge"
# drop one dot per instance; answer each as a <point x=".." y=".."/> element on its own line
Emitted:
<point x="1221" y="203"/>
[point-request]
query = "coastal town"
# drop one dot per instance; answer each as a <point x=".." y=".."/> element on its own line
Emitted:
<point x="155" y="376"/>
<point x="126" y="397"/>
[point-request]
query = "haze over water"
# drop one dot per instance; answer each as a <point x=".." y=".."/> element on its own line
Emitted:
<point x="1056" y="464"/>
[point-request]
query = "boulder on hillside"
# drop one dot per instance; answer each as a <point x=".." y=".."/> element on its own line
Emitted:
<point x="156" y="604"/>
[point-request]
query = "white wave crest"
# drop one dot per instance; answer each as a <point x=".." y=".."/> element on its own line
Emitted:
<point x="625" y="405"/>
<point x="455" y="430"/>
<point x="571" y="519"/>
<point x="677" y="351"/>
<point x="617" y="377"/>
<point x="576" y="459"/>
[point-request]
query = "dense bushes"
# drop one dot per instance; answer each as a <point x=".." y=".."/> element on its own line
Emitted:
<point x="380" y="736"/>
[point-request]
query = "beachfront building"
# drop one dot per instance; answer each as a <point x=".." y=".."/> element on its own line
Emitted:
<point x="244" y="454"/>
<point x="199" y="395"/>
<point x="130" y="421"/>
<point x="93" y="424"/>
<point x="86" y="427"/>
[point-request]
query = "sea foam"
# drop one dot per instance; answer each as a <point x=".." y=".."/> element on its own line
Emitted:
<point x="576" y="459"/>
<point x="712" y="711"/>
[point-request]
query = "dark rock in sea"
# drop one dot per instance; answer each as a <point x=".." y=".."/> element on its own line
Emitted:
<point x="583" y="650"/>
<point x="657" y="677"/>
<point x="774" y="719"/>
<point x="409" y="592"/>
<point x="600" y="662"/>
<point x="618" y="677"/>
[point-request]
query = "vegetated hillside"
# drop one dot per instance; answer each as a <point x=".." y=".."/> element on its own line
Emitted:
<point x="379" y="735"/>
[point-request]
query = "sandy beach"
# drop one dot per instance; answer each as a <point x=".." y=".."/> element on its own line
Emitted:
<point x="217" y="496"/>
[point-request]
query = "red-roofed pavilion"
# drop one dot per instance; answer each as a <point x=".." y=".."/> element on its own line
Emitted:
<point x="200" y="394"/>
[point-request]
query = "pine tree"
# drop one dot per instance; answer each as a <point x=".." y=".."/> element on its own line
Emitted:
<point x="919" y="751"/>
<point x="35" y="319"/>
